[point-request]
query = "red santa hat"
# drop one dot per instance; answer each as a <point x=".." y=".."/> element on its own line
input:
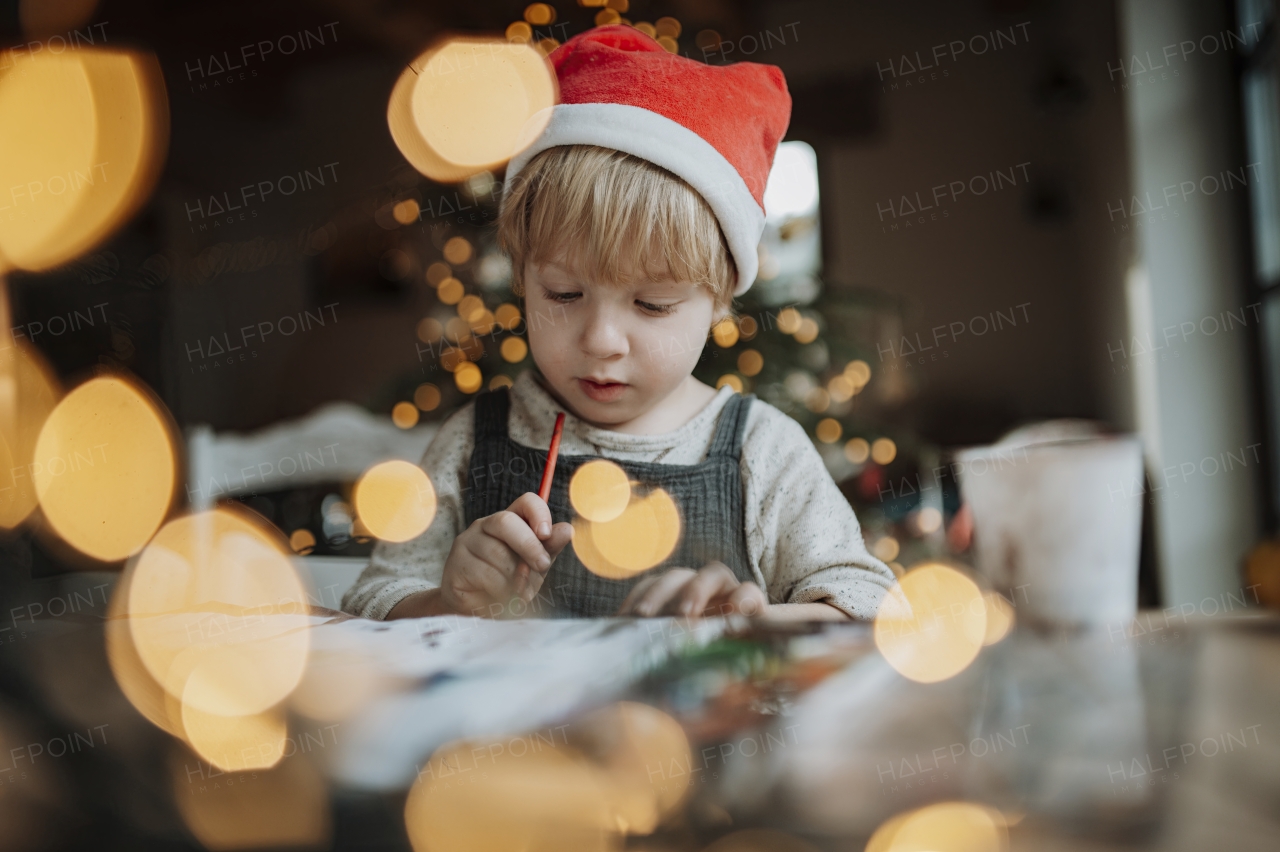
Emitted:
<point x="716" y="127"/>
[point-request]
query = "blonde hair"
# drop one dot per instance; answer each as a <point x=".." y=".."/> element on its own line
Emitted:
<point x="603" y="213"/>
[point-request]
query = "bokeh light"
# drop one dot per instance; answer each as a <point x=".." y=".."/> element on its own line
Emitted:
<point x="514" y="349"/>
<point x="725" y="333"/>
<point x="858" y="372"/>
<point x="94" y="129"/>
<point x="427" y="397"/>
<point x="283" y="807"/>
<point x="457" y="250"/>
<point x="197" y="603"/>
<point x="404" y="415"/>
<point x="731" y="380"/>
<point x="405" y="211"/>
<point x="644" y="755"/>
<point x="430" y="330"/>
<point x="539" y="14"/>
<point x="886" y="548"/>
<point x="142" y="690"/>
<point x="789" y="320"/>
<point x="302" y="541"/>
<point x="599" y="490"/>
<point x="748" y="327"/>
<point x="750" y="362"/>
<point x="1000" y="617"/>
<point x="857" y="450"/>
<point x="931" y="625"/>
<point x="28" y="392"/>
<point x="841" y="388"/>
<point x="461" y="107"/>
<point x="883" y="450"/>
<point x="104" y="468"/>
<point x="468" y="377"/>
<point x="527" y="797"/>
<point x="929" y="520"/>
<point x="519" y="31"/>
<point x="469" y="307"/>
<point x="808" y="330"/>
<point x="500" y="381"/>
<point x="667" y="26"/>
<point x="438" y="272"/>
<point x="641" y="537"/>
<point x="507" y="316"/>
<point x="829" y="430"/>
<point x="943" y="827"/>
<point x="236" y="743"/>
<point x="450" y="291"/>
<point x="395" y="499"/>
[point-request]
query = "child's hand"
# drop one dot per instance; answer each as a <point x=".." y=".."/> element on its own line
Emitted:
<point x="502" y="557"/>
<point x="712" y="591"/>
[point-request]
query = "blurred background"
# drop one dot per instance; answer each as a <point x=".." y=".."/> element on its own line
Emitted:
<point x="986" y="213"/>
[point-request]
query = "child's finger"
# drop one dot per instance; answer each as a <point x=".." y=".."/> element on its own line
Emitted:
<point x="662" y="592"/>
<point x="535" y="512"/>
<point x="637" y="592"/>
<point x="748" y="599"/>
<point x="712" y="581"/>
<point x="561" y="535"/>
<point x="512" y="530"/>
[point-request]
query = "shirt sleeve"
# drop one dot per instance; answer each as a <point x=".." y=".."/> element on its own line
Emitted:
<point x="397" y="570"/>
<point x="802" y="534"/>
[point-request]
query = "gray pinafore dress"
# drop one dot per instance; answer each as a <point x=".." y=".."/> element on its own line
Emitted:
<point x="708" y="495"/>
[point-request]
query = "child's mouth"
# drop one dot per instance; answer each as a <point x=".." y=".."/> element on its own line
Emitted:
<point x="602" y="391"/>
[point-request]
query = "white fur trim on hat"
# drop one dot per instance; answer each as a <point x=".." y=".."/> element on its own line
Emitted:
<point x="666" y="143"/>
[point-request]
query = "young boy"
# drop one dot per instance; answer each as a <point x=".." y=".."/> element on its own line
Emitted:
<point x="632" y="221"/>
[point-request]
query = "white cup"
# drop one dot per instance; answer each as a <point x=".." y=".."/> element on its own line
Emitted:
<point x="1056" y="529"/>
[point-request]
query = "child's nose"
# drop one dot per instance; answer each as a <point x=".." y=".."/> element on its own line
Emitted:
<point x="604" y="335"/>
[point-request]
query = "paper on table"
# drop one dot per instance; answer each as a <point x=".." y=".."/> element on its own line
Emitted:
<point x="484" y="680"/>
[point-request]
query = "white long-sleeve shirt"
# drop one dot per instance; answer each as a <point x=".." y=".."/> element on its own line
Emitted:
<point x="803" y="540"/>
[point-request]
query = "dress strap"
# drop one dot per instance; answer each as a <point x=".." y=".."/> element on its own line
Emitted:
<point x="491" y="414"/>
<point x="732" y="426"/>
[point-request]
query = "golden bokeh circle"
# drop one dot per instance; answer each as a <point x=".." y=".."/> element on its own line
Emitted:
<point x="427" y="397"/>
<point x="395" y="500"/>
<point x="599" y="490"/>
<point x="404" y="415"/>
<point x="216" y="612"/>
<point x="514" y="349"/>
<point x="468" y="105"/>
<point x="538" y="799"/>
<point x="883" y="450"/>
<point x="28" y="393"/>
<point x="104" y="468"/>
<point x="641" y="537"/>
<point x="94" y="130"/>
<point x="750" y="362"/>
<point x="731" y="380"/>
<point x="725" y="333"/>
<point x="943" y="827"/>
<point x="468" y="377"/>
<point x="932" y="624"/>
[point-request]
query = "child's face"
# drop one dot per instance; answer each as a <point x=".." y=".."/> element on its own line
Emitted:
<point x="614" y="352"/>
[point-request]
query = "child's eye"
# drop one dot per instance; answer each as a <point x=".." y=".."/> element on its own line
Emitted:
<point x="556" y="296"/>
<point x="656" y="310"/>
